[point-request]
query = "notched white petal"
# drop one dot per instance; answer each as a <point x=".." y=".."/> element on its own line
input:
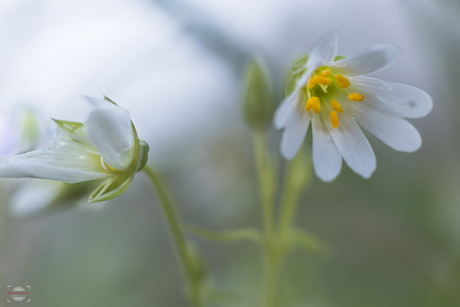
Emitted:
<point x="110" y="130"/>
<point x="367" y="61"/>
<point x="285" y="110"/>
<point x="391" y="129"/>
<point x="327" y="160"/>
<point x="294" y="134"/>
<point x="352" y="144"/>
<point x="405" y="100"/>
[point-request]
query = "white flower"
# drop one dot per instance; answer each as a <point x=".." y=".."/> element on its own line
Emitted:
<point x="104" y="147"/>
<point x="333" y="94"/>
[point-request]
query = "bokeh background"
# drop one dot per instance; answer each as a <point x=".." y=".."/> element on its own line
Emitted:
<point x="177" y="65"/>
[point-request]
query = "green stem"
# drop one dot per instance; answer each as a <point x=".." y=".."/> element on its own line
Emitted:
<point x="289" y="201"/>
<point x="264" y="181"/>
<point x="266" y="186"/>
<point x="178" y="237"/>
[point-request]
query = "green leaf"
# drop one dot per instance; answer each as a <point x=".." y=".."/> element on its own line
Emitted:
<point x="309" y="242"/>
<point x="111" y="188"/>
<point x="226" y="236"/>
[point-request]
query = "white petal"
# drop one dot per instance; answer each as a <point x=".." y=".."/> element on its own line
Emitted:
<point x="110" y="130"/>
<point x="405" y="100"/>
<point x="352" y="144"/>
<point x="285" y="110"/>
<point x="68" y="161"/>
<point x="294" y="134"/>
<point x="367" y="61"/>
<point x="391" y="129"/>
<point x="289" y="105"/>
<point x="324" y="50"/>
<point x="327" y="160"/>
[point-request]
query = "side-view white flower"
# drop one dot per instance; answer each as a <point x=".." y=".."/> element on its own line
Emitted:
<point x="105" y="147"/>
<point x="333" y="94"/>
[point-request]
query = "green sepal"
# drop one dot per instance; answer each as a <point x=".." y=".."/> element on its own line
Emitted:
<point x="291" y="84"/>
<point x="109" y="100"/>
<point x="299" y="65"/>
<point x="68" y="126"/>
<point x="142" y="155"/>
<point x="246" y="234"/>
<point x="111" y="188"/>
<point x="297" y="70"/>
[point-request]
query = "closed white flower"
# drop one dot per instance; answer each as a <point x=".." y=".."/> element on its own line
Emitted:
<point x="333" y="94"/>
<point x="104" y="147"/>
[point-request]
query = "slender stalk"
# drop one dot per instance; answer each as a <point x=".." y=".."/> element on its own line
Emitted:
<point x="297" y="178"/>
<point x="289" y="201"/>
<point x="266" y="187"/>
<point x="178" y="238"/>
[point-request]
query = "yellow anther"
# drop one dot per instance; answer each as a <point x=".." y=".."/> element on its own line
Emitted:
<point x="321" y="80"/>
<point x="325" y="73"/>
<point x="342" y="81"/>
<point x="334" y="119"/>
<point x="313" y="103"/>
<point x="336" y="106"/>
<point x="355" y="97"/>
<point x="311" y="83"/>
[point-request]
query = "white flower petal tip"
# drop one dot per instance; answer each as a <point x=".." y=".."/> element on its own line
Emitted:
<point x="111" y="132"/>
<point x="405" y="100"/>
<point x="324" y="50"/>
<point x="368" y="61"/>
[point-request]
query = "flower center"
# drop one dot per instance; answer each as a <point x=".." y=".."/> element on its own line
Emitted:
<point x="320" y="90"/>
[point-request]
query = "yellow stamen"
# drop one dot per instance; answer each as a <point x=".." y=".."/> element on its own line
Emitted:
<point x="336" y="106"/>
<point x="355" y="97"/>
<point x="311" y="83"/>
<point x="334" y="119"/>
<point x="313" y="103"/>
<point x="321" y="80"/>
<point x="325" y="73"/>
<point x="342" y="81"/>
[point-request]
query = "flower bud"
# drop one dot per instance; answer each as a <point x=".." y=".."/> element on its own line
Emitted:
<point x="257" y="104"/>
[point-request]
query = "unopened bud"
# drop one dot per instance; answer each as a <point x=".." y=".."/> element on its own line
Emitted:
<point x="257" y="104"/>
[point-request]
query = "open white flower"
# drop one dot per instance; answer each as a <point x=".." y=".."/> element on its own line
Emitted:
<point x="104" y="147"/>
<point x="333" y="94"/>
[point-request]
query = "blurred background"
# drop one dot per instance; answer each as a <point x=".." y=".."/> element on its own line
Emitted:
<point x="177" y="65"/>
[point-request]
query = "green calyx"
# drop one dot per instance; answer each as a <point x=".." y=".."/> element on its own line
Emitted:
<point x="117" y="185"/>
<point x="297" y="71"/>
